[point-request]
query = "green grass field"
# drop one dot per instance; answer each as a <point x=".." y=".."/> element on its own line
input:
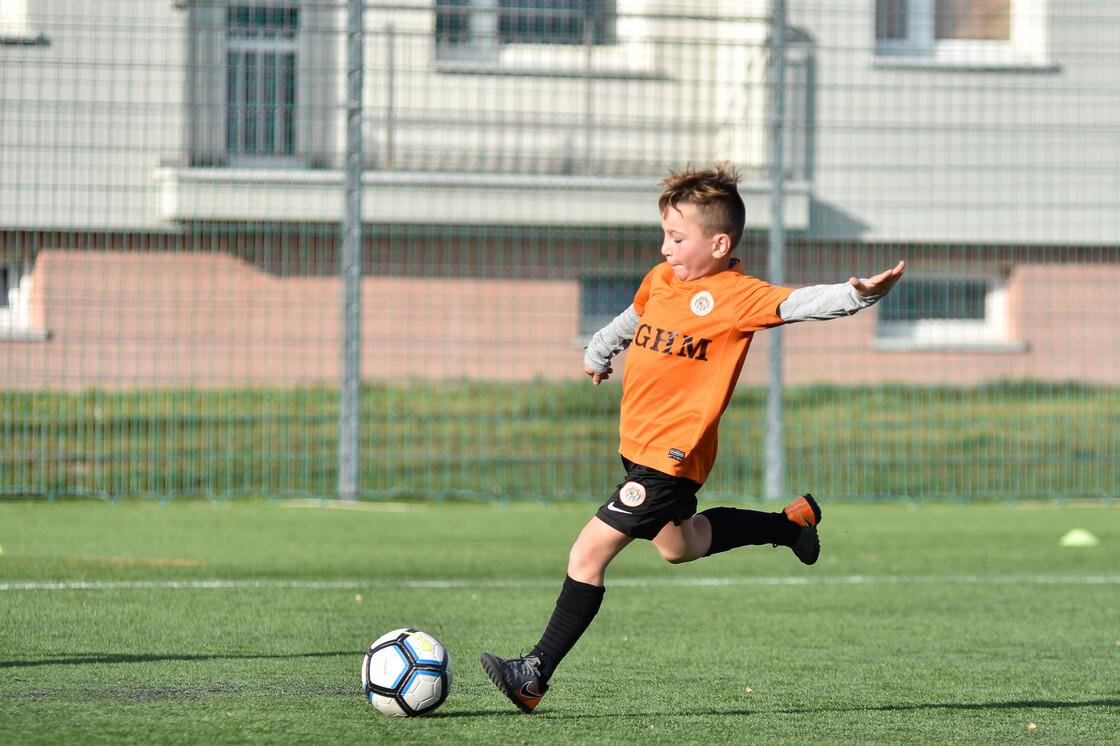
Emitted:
<point x="196" y="623"/>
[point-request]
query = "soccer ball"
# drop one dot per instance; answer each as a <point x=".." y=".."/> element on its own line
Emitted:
<point x="406" y="673"/>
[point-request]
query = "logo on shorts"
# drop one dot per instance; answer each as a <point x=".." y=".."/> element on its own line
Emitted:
<point x="632" y="494"/>
<point x="702" y="303"/>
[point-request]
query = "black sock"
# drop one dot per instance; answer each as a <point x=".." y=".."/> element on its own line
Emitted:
<point x="575" y="608"/>
<point x="733" y="527"/>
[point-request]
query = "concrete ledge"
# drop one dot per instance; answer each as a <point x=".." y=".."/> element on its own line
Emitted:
<point x="270" y="195"/>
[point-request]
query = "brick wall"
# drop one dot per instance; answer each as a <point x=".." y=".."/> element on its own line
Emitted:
<point x="119" y="319"/>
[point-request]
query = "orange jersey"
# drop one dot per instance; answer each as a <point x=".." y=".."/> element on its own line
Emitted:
<point x="684" y="362"/>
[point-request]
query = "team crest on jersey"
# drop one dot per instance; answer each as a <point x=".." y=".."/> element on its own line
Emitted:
<point x="702" y="303"/>
<point x="632" y="494"/>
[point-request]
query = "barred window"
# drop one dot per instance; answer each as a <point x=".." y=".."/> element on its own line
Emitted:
<point x="254" y="97"/>
<point x="476" y="28"/>
<point x="261" y="85"/>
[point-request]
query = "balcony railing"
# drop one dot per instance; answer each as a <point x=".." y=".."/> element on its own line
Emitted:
<point x="665" y="92"/>
<point x="500" y="87"/>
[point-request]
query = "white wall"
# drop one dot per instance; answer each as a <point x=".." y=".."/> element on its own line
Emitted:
<point x="86" y="118"/>
<point x="1026" y="154"/>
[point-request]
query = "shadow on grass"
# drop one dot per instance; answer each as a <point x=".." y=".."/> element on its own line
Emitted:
<point x="1038" y="704"/>
<point x="581" y="716"/>
<point x="1025" y="704"/>
<point x="740" y="712"/>
<point x="97" y="658"/>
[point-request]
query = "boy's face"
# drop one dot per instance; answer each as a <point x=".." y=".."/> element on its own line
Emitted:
<point x="692" y="253"/>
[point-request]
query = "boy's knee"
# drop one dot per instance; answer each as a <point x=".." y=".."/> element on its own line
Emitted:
<point x="583" y="552"/>
<point x="584" y="565"/>
<point x="675" y="556"/>
<point x="575" y="561"/>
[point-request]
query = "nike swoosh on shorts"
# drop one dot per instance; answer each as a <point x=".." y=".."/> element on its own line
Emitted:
<point x="615" y="508"/>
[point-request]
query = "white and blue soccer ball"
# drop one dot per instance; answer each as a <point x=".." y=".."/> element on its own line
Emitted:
<point x="406" y="673"/>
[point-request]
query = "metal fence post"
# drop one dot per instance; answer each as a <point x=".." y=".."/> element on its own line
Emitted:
<point x="774" y="473"/>
<point x="351" y="264"/>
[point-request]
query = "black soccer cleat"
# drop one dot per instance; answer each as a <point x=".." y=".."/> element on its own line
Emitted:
<point x="805" y="513"/>
<point x="517" y="678"/>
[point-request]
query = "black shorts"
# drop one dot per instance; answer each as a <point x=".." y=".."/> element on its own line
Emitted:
<point x="648" y="500"/>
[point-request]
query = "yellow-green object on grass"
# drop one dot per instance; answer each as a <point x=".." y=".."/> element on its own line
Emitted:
<point x="1079" y="537"/>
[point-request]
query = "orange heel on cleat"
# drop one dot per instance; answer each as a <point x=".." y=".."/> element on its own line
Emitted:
<point x="805" y="512"/>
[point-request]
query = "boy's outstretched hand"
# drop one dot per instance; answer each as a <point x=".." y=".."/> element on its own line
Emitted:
<point x="596" y="376"/>
<point x="881" y="283"/>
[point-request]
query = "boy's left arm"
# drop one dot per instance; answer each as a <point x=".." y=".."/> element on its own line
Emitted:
<point x="823" y="302"/>
<point x="608" y="342"/>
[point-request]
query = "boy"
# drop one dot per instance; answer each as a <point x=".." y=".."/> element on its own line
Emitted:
<point x="688" y="331"/>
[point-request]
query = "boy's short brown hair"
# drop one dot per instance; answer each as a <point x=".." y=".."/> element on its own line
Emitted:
<point x="715" y="193"/>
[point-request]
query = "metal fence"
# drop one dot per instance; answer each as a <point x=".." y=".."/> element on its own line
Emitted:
<point x="249" y="245"/>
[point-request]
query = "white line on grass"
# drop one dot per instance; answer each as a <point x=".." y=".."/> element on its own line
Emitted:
<point x="621" y="582"/>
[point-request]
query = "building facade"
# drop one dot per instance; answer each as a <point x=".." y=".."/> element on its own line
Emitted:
<point x="171" y="182"/>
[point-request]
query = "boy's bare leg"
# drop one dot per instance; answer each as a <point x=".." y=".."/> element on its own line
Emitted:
<point x="686" y="542"/>
<point x="593" y="550"/>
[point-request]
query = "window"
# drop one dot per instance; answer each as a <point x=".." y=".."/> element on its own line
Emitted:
<point x="963" y="32"/>
<point x="936" y="299"/>
<point x="15" y="302"/>
<point x="15" y="24"/>
<point x="603" y="298"/>
<point x="939" y="313"/>
<point x="261" y="80"/>
<point x="474" y="29"/>
<point x="987" y="20"/>
<point x="262" y="85"/>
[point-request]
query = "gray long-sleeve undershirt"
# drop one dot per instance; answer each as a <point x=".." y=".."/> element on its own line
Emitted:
<point x="611" y="340"/>
<point x="813" y="303"/>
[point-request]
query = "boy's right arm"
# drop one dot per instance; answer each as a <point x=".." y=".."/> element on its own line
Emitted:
<point x="823" y="302"/>
<point x="608" y="342"/>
